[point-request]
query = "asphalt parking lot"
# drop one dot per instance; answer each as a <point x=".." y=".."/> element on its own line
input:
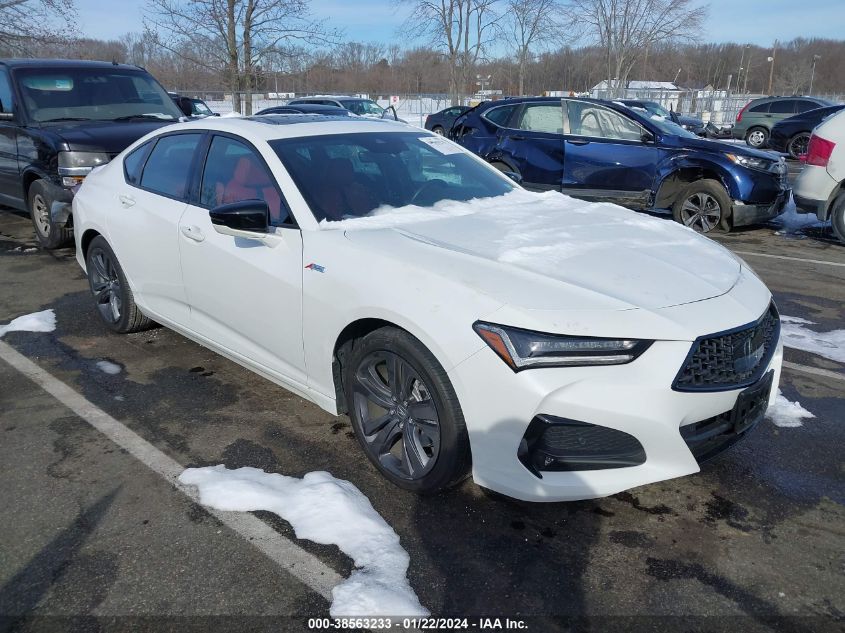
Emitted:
<point x="756" y="541"/>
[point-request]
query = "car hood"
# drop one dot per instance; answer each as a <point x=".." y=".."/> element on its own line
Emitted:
<point x="551" y="252"/>
<point x="103" y="136"/>
<point x="720" y="147"/>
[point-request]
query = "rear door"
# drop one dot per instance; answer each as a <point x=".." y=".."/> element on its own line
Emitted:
<point x="534" y="145"/>
<point x="607" y="156"/>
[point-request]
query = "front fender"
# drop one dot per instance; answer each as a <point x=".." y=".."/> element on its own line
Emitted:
<point x="693" y="168"/>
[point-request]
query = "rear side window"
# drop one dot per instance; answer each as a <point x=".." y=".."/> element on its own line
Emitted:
<point x="168" y="168"/>
<point x="499" y="116"/>
<point x="542" y="117"/>
<point x="787" y="106"/>
<point x="760" y="108"/>
<point x="134" y="163"/>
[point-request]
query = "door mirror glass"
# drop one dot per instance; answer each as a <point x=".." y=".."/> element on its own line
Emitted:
<point x="248" y="218"/>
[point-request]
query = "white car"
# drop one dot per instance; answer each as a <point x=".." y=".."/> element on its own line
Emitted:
<point x="555" y="348"/>
<point x="820" y="187"/>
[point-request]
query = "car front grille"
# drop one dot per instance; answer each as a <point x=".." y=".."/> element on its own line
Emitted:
<point x="732" y="359"/>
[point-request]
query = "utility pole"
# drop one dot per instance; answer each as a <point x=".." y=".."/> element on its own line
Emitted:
<point x="747" y="70"/>
<point x="813" y="74"/>
<point x="772" y="68"/>
<point x="741" y="61"/>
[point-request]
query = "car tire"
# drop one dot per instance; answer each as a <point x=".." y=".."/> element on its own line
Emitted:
<point x="112" y="294"/>
<point x="438" y="129"/>
<point x="49" y="235"/>
<point x="837" y="217"/>
<point x="704" y="206"/>
<point x="422" y="454"/>
<point x="757" y="137"/>
<point x="797" y="145"/>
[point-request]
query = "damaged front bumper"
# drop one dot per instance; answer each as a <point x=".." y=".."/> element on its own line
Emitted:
<point x="746" y="214"/>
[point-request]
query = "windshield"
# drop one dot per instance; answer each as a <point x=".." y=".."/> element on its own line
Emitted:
<point x="199" y="107"/>
<point x="95" y="94"/>
<point x="350" y="175"/>
<point x="362" y="106"/>
<point x="656" y="108"/>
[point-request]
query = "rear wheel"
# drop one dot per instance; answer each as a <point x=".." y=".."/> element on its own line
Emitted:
<point x="757" y="137"/>
<point x="837" y="217"/>
<point x="47" y="232"/>
<point x="405" y="412"/>
<point x="438" y="130"/>
<point x="703" y="206"/>
<point x="797" y="145"/>
<point x="112" y="294"/>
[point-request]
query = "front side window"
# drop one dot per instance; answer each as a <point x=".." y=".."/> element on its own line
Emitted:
<point x="542" y="117"/>
<point x="350" y="175"/>
<point x="234" y="173"/>
<point x="589" y="119"/>
<point x="786" y="106"/>
<point x="93" y="94"/>
<point x="168" y="169"/>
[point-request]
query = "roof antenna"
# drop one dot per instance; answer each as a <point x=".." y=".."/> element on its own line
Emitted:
<point x="114" y="62"/>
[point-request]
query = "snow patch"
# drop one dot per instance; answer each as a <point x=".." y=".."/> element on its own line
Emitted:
<point x="231" y="115"/>
<point x="109" y="367"/>
<point x="44" y="321"/>
<point x="787" y="414"/>
<point x="797" y="336"/>
<point x="329" y="511"/>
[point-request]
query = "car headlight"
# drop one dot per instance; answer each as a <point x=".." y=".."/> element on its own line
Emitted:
<point x="752" y="162"/>
<point x="525" y="349"/>
<point x="80" y="163"/>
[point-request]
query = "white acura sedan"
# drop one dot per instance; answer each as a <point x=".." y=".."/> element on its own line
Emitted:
<point x="556" y="349"/>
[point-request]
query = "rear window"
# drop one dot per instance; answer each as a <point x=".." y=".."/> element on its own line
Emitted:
<point x="762" y="107"/>
<point x="168" y="168"/>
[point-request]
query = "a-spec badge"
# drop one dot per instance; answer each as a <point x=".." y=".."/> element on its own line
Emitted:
<point x="316" y="267"/>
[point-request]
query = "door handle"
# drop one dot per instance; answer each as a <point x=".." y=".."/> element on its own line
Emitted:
<point x="126" y="201"/>
<point x="517" y="137"/>
<point x="579" y="142"/>
<point x="192" y="233"/>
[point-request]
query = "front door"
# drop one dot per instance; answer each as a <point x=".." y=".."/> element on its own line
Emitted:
<point x="608" y="156"/>
<point x="10" y="180"/>
<point x="245" y="294"/>
<point x="534" y="146"/>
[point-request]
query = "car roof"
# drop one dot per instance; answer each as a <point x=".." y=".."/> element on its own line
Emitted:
<point x="321" y="97"/>
<point x="271" y="127"/>
<point x="308" y="107"/>
<point x="63" y="63"/>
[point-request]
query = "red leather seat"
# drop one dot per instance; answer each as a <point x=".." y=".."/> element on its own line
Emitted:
<point x="252" y="181"/>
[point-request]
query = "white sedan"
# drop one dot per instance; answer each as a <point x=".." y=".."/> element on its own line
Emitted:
<point x="554" y="348"/>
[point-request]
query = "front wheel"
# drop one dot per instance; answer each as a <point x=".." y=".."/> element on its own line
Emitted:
<point x="797" y="145"/>
<point x="405" y="412"/>
<point x="49" y="234"/>
<point x="703" y="206"/>
<point x="438" y="130"/>
<point x="112" y="294"/>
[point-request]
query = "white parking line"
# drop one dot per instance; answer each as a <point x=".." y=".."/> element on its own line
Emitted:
<point x="816" y="371"/>
<point x="302" y="565"/>
<point x="795" y="259"/>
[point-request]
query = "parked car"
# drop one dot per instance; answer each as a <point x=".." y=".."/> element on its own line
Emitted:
<point x="754" y="122"/>
<point x="58" y="120"/>
<point x="441" y="122"/>
<point x="356" y="105"/>
<point x="306" y="108"/>
<point x="792" y="135"/>
<point x="605" y="151"/>
<point x="473" y="326"/>
<point x="820" y="187"/>
<point x="689" y="123"/>
<point x="192" y="106"/>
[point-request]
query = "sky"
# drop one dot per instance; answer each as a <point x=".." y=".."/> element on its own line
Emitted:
<point x="746" y="21"/>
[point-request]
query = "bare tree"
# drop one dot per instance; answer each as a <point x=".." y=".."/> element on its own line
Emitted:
<point x="626" y="29"/>
<point x="234" y="36"/>
<point x="24" y="23"/>
<point x="460" y="29"/>
<point x="530" y="23"/>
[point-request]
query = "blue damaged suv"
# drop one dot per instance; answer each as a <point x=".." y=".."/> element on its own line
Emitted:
<point x="604" y="151"/>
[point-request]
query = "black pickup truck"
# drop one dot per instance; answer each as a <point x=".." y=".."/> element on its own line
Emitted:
<point x="61" y="118"/>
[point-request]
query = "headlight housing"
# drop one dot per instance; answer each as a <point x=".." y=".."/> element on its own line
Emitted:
<point x="526" y="349"/>
<point x="752" y="162"/>
<point x="80" y="163"/>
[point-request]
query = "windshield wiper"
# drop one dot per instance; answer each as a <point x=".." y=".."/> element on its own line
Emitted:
<point x="143" y="116"/>
<point x="67" y="118"/>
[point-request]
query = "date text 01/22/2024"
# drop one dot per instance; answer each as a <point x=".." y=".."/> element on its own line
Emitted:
<point x="427" y="624"/>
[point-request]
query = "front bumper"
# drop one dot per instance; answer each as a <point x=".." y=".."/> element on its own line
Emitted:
<point x="60" y="209"/>
<point x="634" y="400"/>
<point x="746" y="214"/>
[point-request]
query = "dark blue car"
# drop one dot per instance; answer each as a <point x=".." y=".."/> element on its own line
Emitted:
<point x="605" y="151"/>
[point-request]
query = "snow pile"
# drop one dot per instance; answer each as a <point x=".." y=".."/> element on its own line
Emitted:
<point x="828" y="344"/>
<point x="44" y="321"/>
<point x="793" y="223"/>
<point x="231" y="115"/>
<point x="787" y="414"/>
<point x="108" y="367"/>
<point x="329" y="511"/>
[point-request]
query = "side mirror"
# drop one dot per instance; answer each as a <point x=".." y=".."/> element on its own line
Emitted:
<point x="186" y="106"/>
<point x="392" y="112"/>
<point x="248" y="218"/>
<point x="5" y="116"/>
<point x="513" y="176"/>
<point x="674" y="116"/>
<point x="647" y="137"/>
